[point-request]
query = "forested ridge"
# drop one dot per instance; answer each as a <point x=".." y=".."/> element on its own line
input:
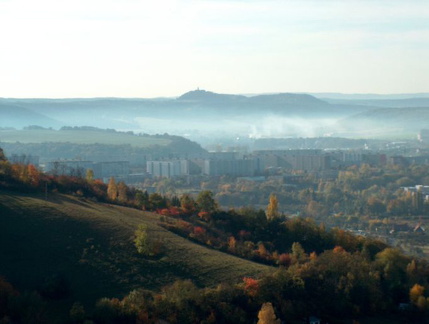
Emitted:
<point x="94" y="144"/>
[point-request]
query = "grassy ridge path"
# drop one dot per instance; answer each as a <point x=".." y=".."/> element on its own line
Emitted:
<point x="90" y="244"/>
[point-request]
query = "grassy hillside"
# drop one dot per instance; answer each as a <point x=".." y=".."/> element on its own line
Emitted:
<point x="90" y="245"/>
<point x="80" y="137"/>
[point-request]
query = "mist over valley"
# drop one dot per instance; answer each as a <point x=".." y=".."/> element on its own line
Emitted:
<point x="208" y="118"/>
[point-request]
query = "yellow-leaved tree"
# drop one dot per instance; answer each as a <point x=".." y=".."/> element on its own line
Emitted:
<point x="112" y="189"/>
<point x="416" y="296"/>
<point x="273" y="208"/>
<point x="266" y="315"/>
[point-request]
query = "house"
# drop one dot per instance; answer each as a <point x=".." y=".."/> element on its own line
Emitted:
<point x="419" y="229"/>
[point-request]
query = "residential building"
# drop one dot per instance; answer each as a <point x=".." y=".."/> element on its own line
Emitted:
<point x="238" y="167"/>
<point x="117" y="169"/>
<point x="168" y="169"/>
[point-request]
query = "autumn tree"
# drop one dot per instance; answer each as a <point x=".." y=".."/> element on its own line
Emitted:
<point x="232" y="242"/>
<point x="206" y="202"/>
<point x="284" y="259"/>
<point x="315" y="209"/>
<point x="6" y="291"/>
<point x="398" y="206"/>
<point x="417" y="297"/>
<point x="140" y="240"/>
<point x="418" y="201"/>
<point x="33" y="175"/>
<point x="298" y="253"/>
<point x="251" y="286"/>
<point x="5" y="169"/>
<point x="266" y="315"/>
<point x="375" y="206"/>
<point x="77" y="313"/>
<point x="89" y="175"/>
<point x="412" y="271"/>
<point x="122" y="192"/>
<point x="273" y="208"/>
<point x="262" y="250"/>
<point x="188" y="204"/>
<point x="112" y="189"/>
<point x="415" y="293"/>
<point x="392" y="265"/>
<point x="313" y="256"/>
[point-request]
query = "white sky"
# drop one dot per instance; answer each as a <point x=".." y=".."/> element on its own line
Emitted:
<point x="136" y="48"/>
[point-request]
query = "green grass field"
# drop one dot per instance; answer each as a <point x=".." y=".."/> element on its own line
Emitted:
<point x="90" y="244"/>
<point x="80" y="137"/>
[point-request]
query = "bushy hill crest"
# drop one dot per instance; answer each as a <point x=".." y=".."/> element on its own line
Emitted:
<point x="203" y="95"/>
<point x="293" y="99"/>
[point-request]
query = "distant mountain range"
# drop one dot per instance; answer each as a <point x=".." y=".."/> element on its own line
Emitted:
<point x="207" y="116"/>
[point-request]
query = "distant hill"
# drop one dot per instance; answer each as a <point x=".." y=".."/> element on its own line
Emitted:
<point x="206" y="116"/>
<point x="18" y="117"/>
<point x="388" y="103"/>
<point x="90" y="246"/>
<point x="201" y="102"/>
<point x="82" y="136"/>
<point x="286" y="99"/>
<point x="95" y="144"/>
<point x="368" y="96"/>
<point x="399" y="116"/>
<point x="397" y="120"/>
<point x="197" y="104"/>
<point x="203" y="95"/>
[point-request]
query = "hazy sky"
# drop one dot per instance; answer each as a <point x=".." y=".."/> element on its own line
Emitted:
<point x="134" y="48"/>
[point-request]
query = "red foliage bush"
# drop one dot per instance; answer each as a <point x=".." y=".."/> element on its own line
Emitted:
<point x="199" y="231"/>
<point x="251" y="286"/>
<point x="285" y="259"/>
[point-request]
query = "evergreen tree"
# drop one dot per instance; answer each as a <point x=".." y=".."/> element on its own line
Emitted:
<point x="142" y="199"/>
<point x="156" y="201"/>
<point x="175" y="201"/>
